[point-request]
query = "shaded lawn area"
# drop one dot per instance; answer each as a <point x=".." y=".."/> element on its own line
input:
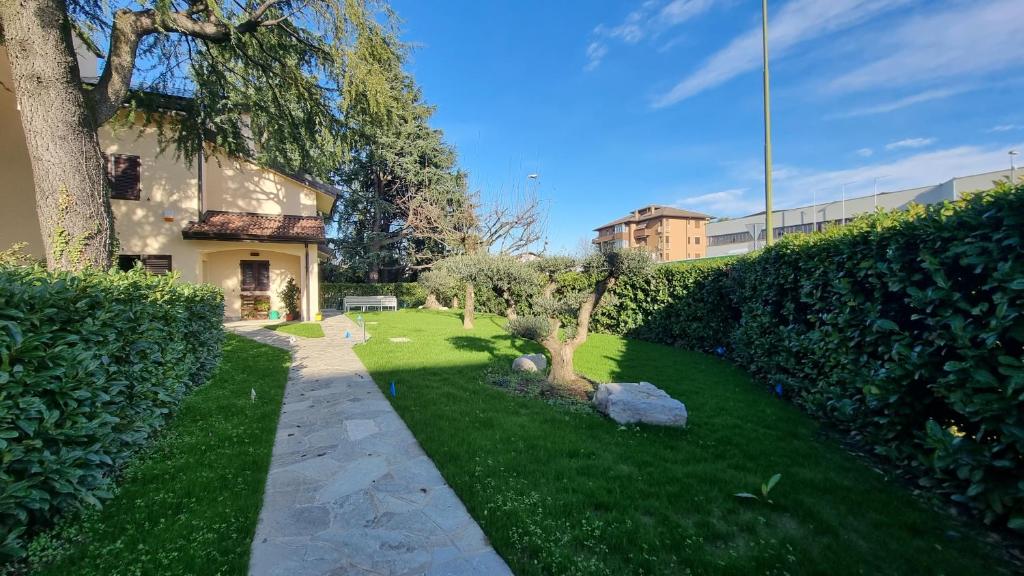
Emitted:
<point x="304" y="329"/>
<point x="559" y="492"/>
<point x="189" y="505"/>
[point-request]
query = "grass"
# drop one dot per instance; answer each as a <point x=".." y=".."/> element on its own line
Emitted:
<point x="189" y="505"/>
<point x="303" y="329"/>
<point x="567" y="492"/>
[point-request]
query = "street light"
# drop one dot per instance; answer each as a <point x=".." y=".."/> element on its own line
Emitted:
<point x="1013" y="168"/>
<point x="874" y="193"/>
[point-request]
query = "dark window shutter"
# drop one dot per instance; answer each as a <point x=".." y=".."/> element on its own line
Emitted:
<point x="126" y="262"/>
<point x="255" y="275"/>
<point x="157" y="264"/>
<point x="263" y="276"/>
<point x="125" y="174"/>
<point x="248" y="276"/>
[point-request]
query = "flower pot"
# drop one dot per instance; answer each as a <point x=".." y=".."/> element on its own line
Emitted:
<point x="319" y="317"/>
<point x="289" y="317"/>
<point x="274" y="315"/>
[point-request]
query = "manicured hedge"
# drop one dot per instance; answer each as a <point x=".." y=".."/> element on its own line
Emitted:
<point x="409" y="294"/>
<point x="904" y="328"/>
<point x="91" y="364"/>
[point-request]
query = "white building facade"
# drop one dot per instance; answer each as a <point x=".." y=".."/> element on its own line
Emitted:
<point x="742" y="235"/>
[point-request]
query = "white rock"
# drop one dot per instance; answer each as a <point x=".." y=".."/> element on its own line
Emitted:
<point x="539" y="360"/>
<point x="524" y="364"/>
<point x="639" y="403"/>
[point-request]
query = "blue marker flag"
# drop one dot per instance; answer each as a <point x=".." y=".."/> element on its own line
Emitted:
<point x="393" y="391"/>
<point x="347" y="334"/>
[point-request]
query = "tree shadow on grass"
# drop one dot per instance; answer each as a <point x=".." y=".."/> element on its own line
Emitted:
<point x="491" y="345"/>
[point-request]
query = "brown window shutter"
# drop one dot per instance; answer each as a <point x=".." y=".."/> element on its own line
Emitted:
<point x="125" y="173"/>
<point x="157" y="263"/>
<point x="248" y="276"/>
<point x="263" y="278"/>
<point x="255" y="275"/>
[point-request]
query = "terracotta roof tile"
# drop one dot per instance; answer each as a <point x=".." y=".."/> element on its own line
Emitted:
<point x="217" y="225"/>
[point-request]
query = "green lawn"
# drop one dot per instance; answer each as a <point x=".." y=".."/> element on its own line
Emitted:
<point x="189" y="505"/>
<point x="304" y="329"/>
<point x="560" y="492"/>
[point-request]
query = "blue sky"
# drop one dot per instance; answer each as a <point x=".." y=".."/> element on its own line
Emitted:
<point x="621" y="104"/>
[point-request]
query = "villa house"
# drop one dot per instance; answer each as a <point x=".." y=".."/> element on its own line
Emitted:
<point x="223" y="221"/>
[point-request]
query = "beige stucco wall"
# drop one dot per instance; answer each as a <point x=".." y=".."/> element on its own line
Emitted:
<point x="241" y="186"/>
<point x="17" y="195"/>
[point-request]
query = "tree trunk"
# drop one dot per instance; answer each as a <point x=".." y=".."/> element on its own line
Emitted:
<point x="562" y="375"/>
<point x="468" y="311"/>
<point x="71" y="190"/>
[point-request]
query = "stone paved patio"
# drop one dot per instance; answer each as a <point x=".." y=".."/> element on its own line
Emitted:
<point x="350" y="491"/>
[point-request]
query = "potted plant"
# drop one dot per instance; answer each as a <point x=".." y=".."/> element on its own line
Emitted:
<point x="289" y="296"/>
<point x="262" y="308"/>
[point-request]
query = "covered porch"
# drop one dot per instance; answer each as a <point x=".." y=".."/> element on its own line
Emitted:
<point x="252" y="257"/>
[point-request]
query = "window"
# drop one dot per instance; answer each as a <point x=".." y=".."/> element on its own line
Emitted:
<point x="255" y="275"/>
<point x="619" y="228"/>
<point x="696" y="240"/>
<point x="735" y="238"/>
<point x="689" y="239"/>
<point x="125" y="175"/>
<point x="153" y="263"/>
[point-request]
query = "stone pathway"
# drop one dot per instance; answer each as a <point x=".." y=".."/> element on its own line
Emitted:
<point x="350" y="491"/>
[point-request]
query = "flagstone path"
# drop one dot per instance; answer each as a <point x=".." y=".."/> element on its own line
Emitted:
<point x="350" y="491"/>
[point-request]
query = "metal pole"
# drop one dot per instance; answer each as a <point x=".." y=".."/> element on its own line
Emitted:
<point x="843" y="223"/>
<point x="1013" y="167"/>
<point x="767" y="129"/>
<point x="874" y="193"/>
<point x="814" y="212"/>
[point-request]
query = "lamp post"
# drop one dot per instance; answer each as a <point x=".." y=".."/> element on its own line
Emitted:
<point x="874" y="191"/>
<point x="844" y="204"/>
<point x="1013" y="167"/>
<point x="767" y="129"/>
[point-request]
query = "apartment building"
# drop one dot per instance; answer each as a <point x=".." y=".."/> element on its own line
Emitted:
<point x="742" y="235"/>
<point x="222" y="220"/>
<point x="668" y="233"/>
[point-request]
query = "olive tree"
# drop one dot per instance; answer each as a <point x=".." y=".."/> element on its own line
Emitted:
<point x="561" y="313"/>
<point x="512" y="280"/>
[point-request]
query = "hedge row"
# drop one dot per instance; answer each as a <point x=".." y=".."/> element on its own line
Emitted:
<point x="91" y="364"/>
<point x="904" y="328"/>
<point x="409" y="294"/>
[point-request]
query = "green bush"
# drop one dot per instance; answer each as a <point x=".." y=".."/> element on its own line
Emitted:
<point x="904" y="328"/>
<point x="409" y="294"/>
<point x="91" y="364"/>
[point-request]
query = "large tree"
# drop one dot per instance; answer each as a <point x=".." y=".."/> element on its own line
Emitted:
<point x="273" y="79"/>
<point x="395" y="166"/>
<point x="474" y="230"/>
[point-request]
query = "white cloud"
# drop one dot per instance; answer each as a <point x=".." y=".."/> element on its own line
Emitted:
<point x="865" y="152"/>
<point x="966" y="39"/>
<point x="921" y="169"/>
<point x="724" y="203"/>
<point x="909" y="143"/>
<point x="1005" y="128"/>
<point x="596" y="52"/>
<point x="650" y="19"/>
<point x="796" y="22"/>
<point x="907" y="101"/>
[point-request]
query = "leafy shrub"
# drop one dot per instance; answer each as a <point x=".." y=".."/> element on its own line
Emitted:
<point x="91" y="364"/>
<point x="904" y="328"/>
<point x="529" y="327"/>
<point x="409" y="294"/>
<point x="289" y="295"/>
